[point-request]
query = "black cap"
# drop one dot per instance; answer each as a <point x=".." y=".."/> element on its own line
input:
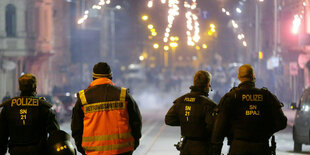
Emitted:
<point x="102" y="69"/>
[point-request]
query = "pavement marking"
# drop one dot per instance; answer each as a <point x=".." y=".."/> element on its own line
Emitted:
<point x="147" y="131"/>
<point x="162" y="128"/>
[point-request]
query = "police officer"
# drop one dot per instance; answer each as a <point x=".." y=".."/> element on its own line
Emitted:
<point x="105" y="118"/>
<point x="194" y="112"/>
<point x="25" y="121"/>
<point x="248" y="116"/>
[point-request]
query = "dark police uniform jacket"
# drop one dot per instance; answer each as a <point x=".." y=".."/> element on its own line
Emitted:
<point x="194" y="112"/>
<point x="25" y="122"/>
<point x="249" y="116"/>
<point x="103" y="93"/>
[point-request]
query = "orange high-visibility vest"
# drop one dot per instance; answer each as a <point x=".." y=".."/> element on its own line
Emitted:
<point x="106" y="126"/>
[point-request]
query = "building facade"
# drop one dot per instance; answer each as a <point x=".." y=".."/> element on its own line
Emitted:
<point x="33" y="39"/>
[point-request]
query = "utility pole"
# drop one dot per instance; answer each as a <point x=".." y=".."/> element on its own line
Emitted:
<point x="275" y="42"/>
<point x="257" y="32"/>
<point x="113" y="54"/>
<point x="257" y="25"/>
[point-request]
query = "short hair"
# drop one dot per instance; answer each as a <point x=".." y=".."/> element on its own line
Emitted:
<point x="27" y="82"/>
<point x="202" y="78"/>
<point x="246" y="72"/>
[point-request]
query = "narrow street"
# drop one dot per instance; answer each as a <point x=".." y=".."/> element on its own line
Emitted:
<point x="158" y="139"/>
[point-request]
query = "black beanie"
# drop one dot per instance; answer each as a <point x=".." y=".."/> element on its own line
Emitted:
<point x="102" y="69"/>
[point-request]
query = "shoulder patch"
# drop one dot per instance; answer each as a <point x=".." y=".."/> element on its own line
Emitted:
<point x="180" y="99"/>
<point x="265" y="90"/>
<point x="45" y="102"/>
<point x="233" y="88"/>
<point x="42" y="98"/>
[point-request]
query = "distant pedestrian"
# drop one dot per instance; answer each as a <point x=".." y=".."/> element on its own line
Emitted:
<point x="194" y="113"/>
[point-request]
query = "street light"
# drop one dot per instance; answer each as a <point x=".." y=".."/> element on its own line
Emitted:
<point x="118" y="7"/>
<point x="156" y="46"/>
<point x="141" y="58"/>
<point x="150" y="26"/>
<point x="173" y="44"/>
<point x="154" y="34"/>
<point x="166" y="56"/>
<point x="165" y="40"/>
<point x="238" y="10"/>
<point x="166" y="48"/>
<point x="244" y="44"/>
<point x="150" y="4"/>
<point x="145" y="17"/>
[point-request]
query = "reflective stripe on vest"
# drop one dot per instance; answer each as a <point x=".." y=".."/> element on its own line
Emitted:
<point x="82" y="97"/>
<point x="106" y="126"/>
<point x="122" y="96"/>
<point x="110" y="147"/>
<point x="107" y="137"/>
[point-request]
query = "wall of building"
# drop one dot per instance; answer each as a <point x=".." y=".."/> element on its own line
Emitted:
<point x="38" y="47"/>
<point x="12" y="49"/>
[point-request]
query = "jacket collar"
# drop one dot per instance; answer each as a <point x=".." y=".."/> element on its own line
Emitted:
<point x="31" y="94"/>
<point x="101" y="81"/>
<point x="246" y="84"/>
<point x="198" y="90"/>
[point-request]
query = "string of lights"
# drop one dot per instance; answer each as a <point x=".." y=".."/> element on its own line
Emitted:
<point x="237" y="28"/>
<point x="193" y="31"/>
<point x="97" y="6"/>
<point x="192" y="19"/>
<point x="150" y="4"/>
<point x="298" y="18"/>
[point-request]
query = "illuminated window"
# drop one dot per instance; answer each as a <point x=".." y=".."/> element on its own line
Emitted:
<point x="10" y="20"/>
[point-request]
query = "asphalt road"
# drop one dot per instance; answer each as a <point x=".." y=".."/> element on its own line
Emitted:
<point x="158" y="139"/>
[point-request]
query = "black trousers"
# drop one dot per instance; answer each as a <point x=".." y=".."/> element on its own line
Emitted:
<point x="239" y="147"/>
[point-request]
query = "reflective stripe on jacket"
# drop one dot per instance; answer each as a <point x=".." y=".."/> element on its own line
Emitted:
<point x="106" y="126"/>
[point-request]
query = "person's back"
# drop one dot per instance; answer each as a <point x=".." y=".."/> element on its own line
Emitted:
<point x="105" y="119"/>
<point x="248" y="116"/>
<point x="25" y="121"/>
<point x="194" y="113"/>
<point x="252" y="113"/>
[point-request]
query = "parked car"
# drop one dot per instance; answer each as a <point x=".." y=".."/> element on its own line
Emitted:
<point x="301" y="127"/>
